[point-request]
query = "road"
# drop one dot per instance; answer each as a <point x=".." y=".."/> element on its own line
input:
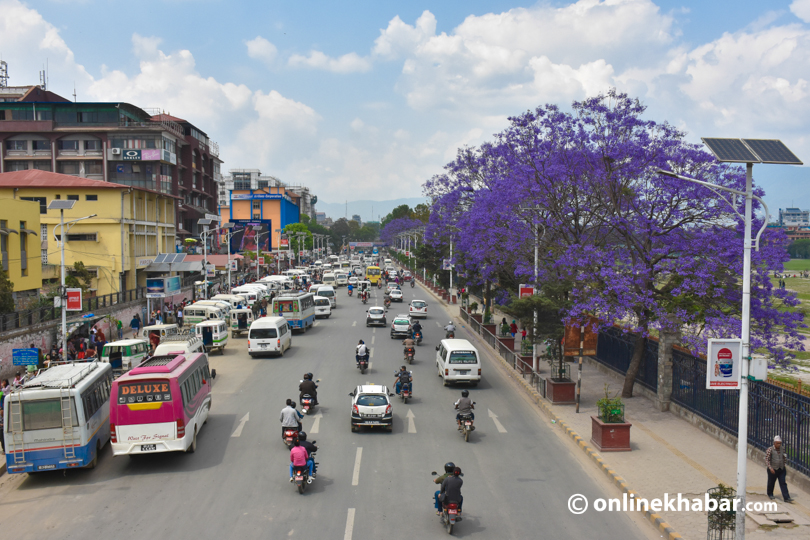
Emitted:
<point x="519" y="471"/>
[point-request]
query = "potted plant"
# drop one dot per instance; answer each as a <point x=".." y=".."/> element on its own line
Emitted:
<point x="609" y="430"/>
<point x="473" y="307"/>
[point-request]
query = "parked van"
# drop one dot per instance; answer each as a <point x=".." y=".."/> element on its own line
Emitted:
<point x="214" y="335"/>
<point x="458" y="362"/>
<point x="234" y="299"/>
<point x="224" y="305"/>
<point x="161" y="330"/>
<point x="328" y="291"/>
<point x="250" y="295"/>
<point x="180" y="344"/>
<point x="125" y="354"/>
<point x="241" y="320"/>
<point x="329" y="279"/>
<point x="341" y="279"/>
<point x="323" y="307"/>
<point x="269" y="335"/>
<point x="197" y="313"/>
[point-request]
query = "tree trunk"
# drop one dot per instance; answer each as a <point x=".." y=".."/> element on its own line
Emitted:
<point x="635" y="363"/>
<point x="487" y="299"/>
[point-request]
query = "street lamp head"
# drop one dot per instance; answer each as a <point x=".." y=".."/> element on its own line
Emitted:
<point x="203" y="221"/>
<point x="228" y="225"/>
<point x="667" y="173"/>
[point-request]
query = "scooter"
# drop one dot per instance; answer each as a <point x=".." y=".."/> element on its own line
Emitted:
<point x="413" y="283"/>
<point x="350" y="292"/>
<point x="409" y="352"/>
<point x="289" y="435"/>
<point x="405" y="392"/>
<point x="467" y="426"/>
<point x="362" y="363"/>
<point x="307" y="403"/>
<point x="417" y="336"/>
<point x="451" y="334"/>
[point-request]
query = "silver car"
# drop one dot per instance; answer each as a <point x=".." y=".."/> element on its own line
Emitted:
<point x="401" y="327"/>
<point x="376" y="316"/>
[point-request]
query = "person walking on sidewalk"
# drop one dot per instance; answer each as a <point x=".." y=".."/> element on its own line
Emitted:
<point x="776" y="461"/>
<point x="513" y="328"/>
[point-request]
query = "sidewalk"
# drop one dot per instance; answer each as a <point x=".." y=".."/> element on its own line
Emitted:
<point x="669" y="456"/>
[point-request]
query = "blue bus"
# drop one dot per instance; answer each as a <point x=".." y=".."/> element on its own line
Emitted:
<point x="60" y="419"/>
<point x="297" y="307"/>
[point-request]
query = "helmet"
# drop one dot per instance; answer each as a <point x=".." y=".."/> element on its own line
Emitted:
<point x="451" y="322"/>
<point x="307" y="376"/>
<point x="457" y="471"/>
<point x="465" y="393"/>
<point x="449" y="467"/>
<point x="361" y="342"/>
<point x="302" y="436"/>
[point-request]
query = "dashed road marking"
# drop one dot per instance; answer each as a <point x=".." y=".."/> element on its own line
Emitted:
<point x="356" y="473"/>
<point x="349" y="525"/>
<point x="355" y="323"/>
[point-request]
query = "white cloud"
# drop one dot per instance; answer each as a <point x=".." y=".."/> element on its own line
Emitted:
<point x="801" y="8"/>
<point x="261" y="49"/>
<point x="348" y="63"/>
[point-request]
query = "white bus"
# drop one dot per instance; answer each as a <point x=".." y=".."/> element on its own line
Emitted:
<point x="60" y="419"/>
<point x="297" y="308"/>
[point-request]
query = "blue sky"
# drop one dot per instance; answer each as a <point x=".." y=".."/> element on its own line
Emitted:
<point x="366" y="100"/>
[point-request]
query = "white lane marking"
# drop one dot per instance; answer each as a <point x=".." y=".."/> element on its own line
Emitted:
<point x="411" y="424"/>
<point x="349" y="525"/>
<point x="437" y="324"/>
<point x="316" y="425"/>
<point x="369" y="367"/>
<point x="356" y="473"/>
<point x="371" y="352"/>
<point x="241" y="426"/>
<point x="374" y="331"/>
<point x="498" y="424"/>
<point x="316" y="323"/>
<point x="355" y="323"/>
<point x="372" y="339"/>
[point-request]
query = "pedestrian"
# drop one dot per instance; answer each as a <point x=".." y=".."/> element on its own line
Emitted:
<point x="180" y="317"/>
<point x="776" y="462"/>
<point x="135" y="324"/>
<point x="120" y="327"/>
<point x="523" y="334"/>
<point x="2" y="424"/>
<point x="513" y="328"/>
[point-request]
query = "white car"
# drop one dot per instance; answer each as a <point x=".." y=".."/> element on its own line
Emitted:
<point x="341" y="280"/>
<point x="418" y="309"/>
<point x="353" y="281"/>
<point x="371" y="407"/>
<point x="395" y="295"/>
<point x="323" y="307"/>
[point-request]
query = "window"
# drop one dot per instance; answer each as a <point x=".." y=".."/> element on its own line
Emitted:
<point x="92" y="145"/>
<point x="68" y="145"/>
<point x="44" y="414"/>
<point x="43" y="231"/>
<point x="43" y="205"/>
<point x="90" y="237"/>
<point x="41" y="145"/>
<point x="42" y="165"/>
<point x="22" y="115"/>
<point x="263" y="333"/>
<point x="44" y="255"/>
<point x="88" y="117"/>
<point x="4" y="246"/>
<point x="256" y="205"/>
<point x="16" y="166"/>
<point x="73" y="197"/>
<point x="68" y="167"/>
<point x="17" y="145"/>
<point x="91" y="197"/>
<point x="93" y="167"/>
<point x="23" y="249"/>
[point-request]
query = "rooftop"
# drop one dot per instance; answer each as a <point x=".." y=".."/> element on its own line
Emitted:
<point x="44" y="179"/>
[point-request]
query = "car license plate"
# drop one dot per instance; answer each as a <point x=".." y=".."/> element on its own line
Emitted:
<point x="263" y="345"/>
<point x="45" y="467"/>
<point x="148" y="447"/>
<point x="372" y="422"/>
<point x="463" y="372"/>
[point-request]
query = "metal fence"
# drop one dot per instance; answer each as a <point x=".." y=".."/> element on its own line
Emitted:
<point x="771" y="410"/>
<point x="615" y="350"/>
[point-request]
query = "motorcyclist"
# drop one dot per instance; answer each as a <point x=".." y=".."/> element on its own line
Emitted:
<point x="417" y="327"/>
<point x="361" y="352"/>
<point x="299" y="457"/>
<point x="408" y="343"/>
<point x="451" y="489"/>
<point x="290" y="418"/>
<point x="448" y="471"/>
<point x="387" y="301"/>
<point x="450" y="328"/>
<point x="413" y="282"/>
<point x="351" y="288"/>
<point x="403" y="376"/>
<point x="464" y="406"/>
<point x="310" y="448"/>
<point x="307" y="386"/>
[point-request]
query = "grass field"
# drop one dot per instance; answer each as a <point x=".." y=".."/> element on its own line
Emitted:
<point x="797" y="265"/>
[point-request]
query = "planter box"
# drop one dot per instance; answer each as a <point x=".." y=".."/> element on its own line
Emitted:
<point x="610" y="437"/>
<point x="561" y="392"/>
<point x="526" y="367"/>
<point x="508" y="342"/>
<point x="490" y="328"/>
<point x="478" y="318"/>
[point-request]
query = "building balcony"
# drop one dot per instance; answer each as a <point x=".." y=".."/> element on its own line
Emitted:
<point x="26" y="126"/>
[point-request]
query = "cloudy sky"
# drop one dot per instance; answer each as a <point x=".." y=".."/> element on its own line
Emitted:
<point x="366" y="100"/>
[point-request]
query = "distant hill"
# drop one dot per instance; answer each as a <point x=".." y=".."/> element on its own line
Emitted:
<point x="364" y="208"/>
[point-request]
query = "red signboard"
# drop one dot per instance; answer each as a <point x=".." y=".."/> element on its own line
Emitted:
<point x="284" y="242"/>
<point x="74" y="300"/>
<point x="525" y="290"/>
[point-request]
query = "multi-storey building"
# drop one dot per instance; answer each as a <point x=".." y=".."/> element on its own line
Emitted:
<point x="794" y="217"/>
<point x="20" y="247"/>
<point x="112" y="142"/>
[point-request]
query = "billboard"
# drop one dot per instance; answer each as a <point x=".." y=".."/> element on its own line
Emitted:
<point x="74" y="300"/>
<point x="525" y="290"/>
<point x="724" y="364"/>
<point x="244" y="237"/>
<point x="162" y="287"/>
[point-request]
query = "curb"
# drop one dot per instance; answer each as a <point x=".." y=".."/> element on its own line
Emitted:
<point x="656" y="520"/>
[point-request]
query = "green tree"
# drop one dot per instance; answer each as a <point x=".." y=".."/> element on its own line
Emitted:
<point x="401" y="211"/>
<point x="422" y="212"/>
<point x="294" y="239"/>
<point x="79" y="277"/>
<point x="6" y="293"/>
<point x="799" y="249"/>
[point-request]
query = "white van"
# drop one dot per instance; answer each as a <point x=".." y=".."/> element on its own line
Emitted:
<point x="341" y="279"/>
<point x="327" y="291"/>
<point x="224" y="305"/>
<point x="323" y="307"/>
<point x="241" y="319"/>
<point x="387" y="262"/>
<point x="197" y="313"/>
<point x="162" y="330"/>
<point x="458" y="362"/>
<point x="269" y="335"/>
<point x="329" y="279"/>
<point x="251" y="295"/>
<point x="234" y="299"/>
<point x="125" y="354"/>
<point x="184" y="344"/>
<point x="214" y="335"/>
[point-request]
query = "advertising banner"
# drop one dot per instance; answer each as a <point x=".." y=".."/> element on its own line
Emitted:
<point x="24" y="357"/>
<point x="446" y="264"/>
<point x="155" y="288"/>
<point x="130" y="154"/>
<point x="284" y="242"/>
<point x="151" y="154"/>
<point x="525" y="290"/>
<point x="234" y="266"/>
<point x="171" y="285"/>
<point x="724" y="364"/>
<point x="244" y="237"/>
<point x="74" y="300"/>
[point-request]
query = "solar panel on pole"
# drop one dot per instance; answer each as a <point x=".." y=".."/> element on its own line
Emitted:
<point x="59" y="204"/>
<point x="160" y="258"/>
<point x="772" y="151"/>
<point x="730" y="150"/>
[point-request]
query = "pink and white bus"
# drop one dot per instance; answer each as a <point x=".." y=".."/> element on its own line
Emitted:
<point x="161" y="405"/>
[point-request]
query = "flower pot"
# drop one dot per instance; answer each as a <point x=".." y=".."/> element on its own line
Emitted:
<point x="508" y="342"/>
<point x="612" y="437"/>
<point x="478" y="318"/>
<point x="561" y="391"/>
<point x="490" y="328"/>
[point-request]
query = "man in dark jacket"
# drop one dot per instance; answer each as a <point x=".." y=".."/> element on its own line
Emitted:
<point x="451" y="489"/>
<point x="776" y="462"/>
<point x="307" y="386"/>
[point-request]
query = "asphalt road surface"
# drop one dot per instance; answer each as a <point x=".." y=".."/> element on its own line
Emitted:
<point x="517" y="479"/>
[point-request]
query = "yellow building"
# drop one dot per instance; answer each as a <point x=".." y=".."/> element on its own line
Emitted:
<point x="129" y="227"/>
<point x="19" y="246"/>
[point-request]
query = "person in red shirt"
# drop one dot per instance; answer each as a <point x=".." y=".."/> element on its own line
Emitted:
<point x="513" y="328"/>
<point x="298" y="457"/>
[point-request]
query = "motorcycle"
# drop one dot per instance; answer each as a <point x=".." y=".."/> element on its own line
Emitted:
<point x="301" y="477"/>
<point x="350" y="292"/>
<point x="413" y="283"/>
<point x="387" y="302"/>
<point x="307" y="403"/>
<point x="451" y="334"/>
<point x="365" y="298"/>
<point x="467" y="426"/>
<point x="405" y="392"/>
<point x="409" y="352"/>
<point x="362" y="363"/>
<point x="449" y="516"/>
<point x="417" y="336"/>
<point x="289" y="435"/>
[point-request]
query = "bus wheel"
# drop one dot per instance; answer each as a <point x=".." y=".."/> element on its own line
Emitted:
<point x="193" y="447"/>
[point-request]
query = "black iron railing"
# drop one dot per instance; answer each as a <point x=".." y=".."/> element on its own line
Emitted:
<point x="615" y="350"/>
